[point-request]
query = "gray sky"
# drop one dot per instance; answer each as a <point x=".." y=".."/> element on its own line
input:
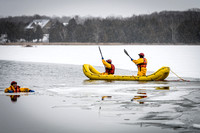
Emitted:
<point x="97" y="8"/>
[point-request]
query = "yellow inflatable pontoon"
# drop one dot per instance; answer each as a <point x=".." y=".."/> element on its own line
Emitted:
<point x="92" y="73"/>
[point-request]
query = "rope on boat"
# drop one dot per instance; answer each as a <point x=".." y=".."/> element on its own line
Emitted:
<point x="179" y="76"/>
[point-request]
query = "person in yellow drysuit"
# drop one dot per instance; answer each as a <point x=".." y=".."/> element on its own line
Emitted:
<point x="15" y="88"/>
<point x="109" y="67"/>
<point x="141" y="64"/>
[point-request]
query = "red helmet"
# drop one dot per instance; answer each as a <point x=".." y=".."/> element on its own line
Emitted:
<point x="141" y="54"/>
<point x="109" y="61"/>
<point x="13" y="82"/>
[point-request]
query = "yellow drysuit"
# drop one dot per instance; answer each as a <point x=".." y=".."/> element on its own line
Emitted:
<point x="11" y="88"/>
<point x="141" y="64"/>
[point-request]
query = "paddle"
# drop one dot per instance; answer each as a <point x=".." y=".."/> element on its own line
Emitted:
<point x="127" y="53"/>
<point x="100" y="52"/>
<point x="130" y="58"/>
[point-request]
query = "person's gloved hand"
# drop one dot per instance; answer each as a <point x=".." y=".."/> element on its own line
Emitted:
<point x="102" y="58"/>
<point x="10" y="91"/>
<point x="31" y="91"/>
<point x="131" y="59"/>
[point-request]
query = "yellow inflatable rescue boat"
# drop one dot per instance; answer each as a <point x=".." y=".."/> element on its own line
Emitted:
<point x="92" y="73"/>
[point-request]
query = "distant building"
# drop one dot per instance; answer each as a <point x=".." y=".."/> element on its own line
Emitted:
<point x="65" y="24"/>
<point x="45" y="25"/>
<point x="3" y="38"/>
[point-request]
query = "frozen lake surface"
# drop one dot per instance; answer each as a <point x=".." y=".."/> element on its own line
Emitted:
<point x="184" y="60"/>
<point x="67" y="101"/>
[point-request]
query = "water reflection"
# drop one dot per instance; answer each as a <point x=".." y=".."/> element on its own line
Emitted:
<point x="162" y="88"/>
<point x="103" y="97"/>
<point x="141" y="93"/>
<point x="13" y="98"/>
<point x="89" y="81"/>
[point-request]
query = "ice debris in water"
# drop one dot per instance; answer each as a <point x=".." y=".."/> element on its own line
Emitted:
<point x="196" y="126"/>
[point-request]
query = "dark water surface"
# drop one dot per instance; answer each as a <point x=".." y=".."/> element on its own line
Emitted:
<point x="66" y="101"/>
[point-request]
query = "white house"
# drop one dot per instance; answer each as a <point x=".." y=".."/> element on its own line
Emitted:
<point x="3" y="38"/>
<point x="45" y="25"/>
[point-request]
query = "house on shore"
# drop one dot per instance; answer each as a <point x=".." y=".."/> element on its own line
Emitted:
<point x="45" y="25"/>
<point x="3" y="38"/>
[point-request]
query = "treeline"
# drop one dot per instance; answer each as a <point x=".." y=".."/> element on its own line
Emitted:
<point x="162" y="27"/>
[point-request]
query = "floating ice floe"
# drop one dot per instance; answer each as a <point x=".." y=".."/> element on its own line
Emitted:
<point x="196" y="126"/>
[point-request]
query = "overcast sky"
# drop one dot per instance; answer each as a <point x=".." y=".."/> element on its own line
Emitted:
<point x="96" y="8"/>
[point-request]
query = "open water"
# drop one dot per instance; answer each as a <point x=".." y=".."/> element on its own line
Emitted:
<point x="67" y="101"/>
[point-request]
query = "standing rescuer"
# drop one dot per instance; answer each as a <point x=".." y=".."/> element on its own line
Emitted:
<point x="141" y="64"/>
<point x="15" y="88"/>
<point x="109" y="67"/>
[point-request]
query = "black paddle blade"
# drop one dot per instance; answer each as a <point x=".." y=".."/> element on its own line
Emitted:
<point x="126" y="53"/>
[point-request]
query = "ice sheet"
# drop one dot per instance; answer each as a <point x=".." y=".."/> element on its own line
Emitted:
<point x="183" y="60"/>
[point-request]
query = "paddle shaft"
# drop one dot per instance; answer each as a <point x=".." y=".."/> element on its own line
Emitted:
<point x="128" y="55"/>
<point x="100" y="52"/>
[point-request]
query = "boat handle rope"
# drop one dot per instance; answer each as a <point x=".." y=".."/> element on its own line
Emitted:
<point x="179" y="76"/>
